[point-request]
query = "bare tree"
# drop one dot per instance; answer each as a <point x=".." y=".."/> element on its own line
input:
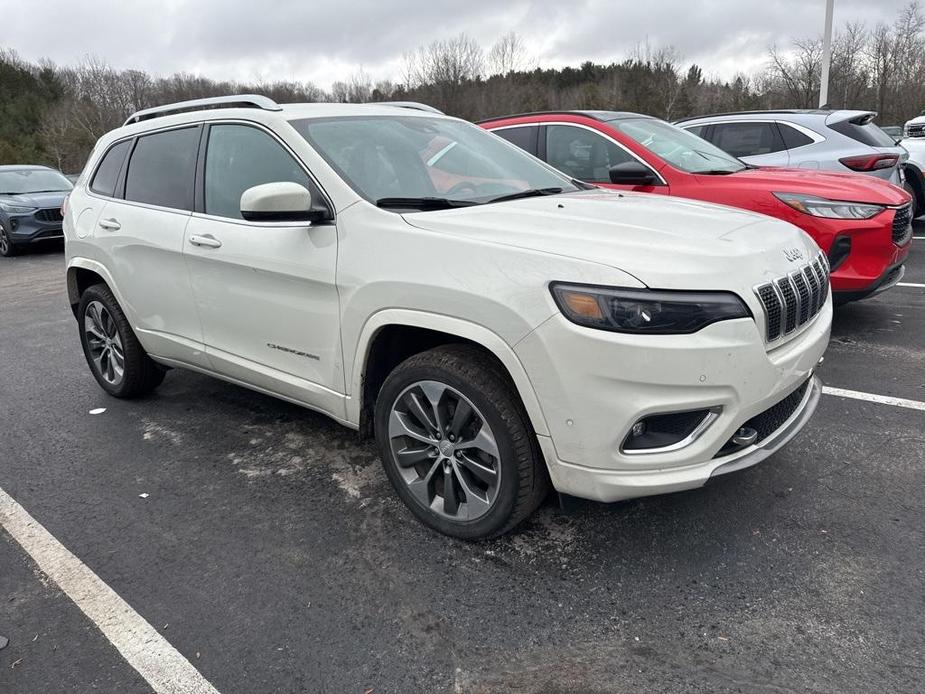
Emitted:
<point x="509" y="54"/>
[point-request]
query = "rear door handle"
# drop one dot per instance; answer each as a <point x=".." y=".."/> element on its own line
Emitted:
<point x="110" y="224"/>
<point x="206" y="240"/>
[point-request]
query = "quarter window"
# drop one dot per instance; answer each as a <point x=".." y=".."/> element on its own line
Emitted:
<point x="240" y="157"/>
<point x="583" y="154"/>
<point x="162" y="169"/>
<point x="747" y="139"/>
<point x="793" y="138"/>
<point x="107" y="173"/>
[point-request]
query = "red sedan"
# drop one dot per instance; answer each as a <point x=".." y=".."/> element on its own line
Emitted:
<point x="863" y="224"/>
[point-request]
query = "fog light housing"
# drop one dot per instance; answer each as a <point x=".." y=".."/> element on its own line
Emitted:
<point x="667" y="432"/>
<point x="839" y="252"/>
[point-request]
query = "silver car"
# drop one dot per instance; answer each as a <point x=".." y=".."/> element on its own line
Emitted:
<point x="806" y="139"/>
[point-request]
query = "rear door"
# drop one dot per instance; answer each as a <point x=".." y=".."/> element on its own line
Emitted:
<point x="265" y="291"/>
<point x="755" y="142"/>
<point x="140" y="230"/>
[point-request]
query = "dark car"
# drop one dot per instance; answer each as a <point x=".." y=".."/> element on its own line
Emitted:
<point x="30" y="206"/>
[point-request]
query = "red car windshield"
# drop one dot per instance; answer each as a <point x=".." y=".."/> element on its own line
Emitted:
<point x="678" y="147"/>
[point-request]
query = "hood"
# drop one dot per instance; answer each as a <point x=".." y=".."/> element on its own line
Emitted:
<point x="41" y="200"/>
<point x="848" y="187"/>
<point x="666" y="243"/>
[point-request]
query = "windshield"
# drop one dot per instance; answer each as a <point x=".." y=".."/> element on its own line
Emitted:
<point x="388" y="158"/>
<point x="681" y="149"/>
<point x="21" y="181"/>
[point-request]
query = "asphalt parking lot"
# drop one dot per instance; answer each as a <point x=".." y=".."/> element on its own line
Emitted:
<point x="264" y="544"/>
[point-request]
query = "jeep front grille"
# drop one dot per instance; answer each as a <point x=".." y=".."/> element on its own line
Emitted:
<point x="902" y="224"/>
<point x="793" y="300"/>
<point x="917" y="130"/>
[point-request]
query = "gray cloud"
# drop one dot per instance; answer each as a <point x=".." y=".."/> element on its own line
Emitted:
<point x="326" y="40"/>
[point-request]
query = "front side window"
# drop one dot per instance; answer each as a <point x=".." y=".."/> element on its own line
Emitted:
<point x="680" y="148"/>
<point x="415" y="157"/>
<point x="25" y="181"/>
<point x="240" y="157"/>
<point x="107" y="173"/>
<point x="747" y="139"/>
<point x="162" y="169"/>
<point x="583" y="154"/>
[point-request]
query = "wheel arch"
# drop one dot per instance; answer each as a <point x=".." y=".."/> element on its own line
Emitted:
<point x="83" y="273"/>
<point x="917" y="181"/>
<point x="391" y="336"/>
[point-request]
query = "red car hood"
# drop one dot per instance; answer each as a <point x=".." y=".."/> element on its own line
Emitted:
<point x="849" y="187"/>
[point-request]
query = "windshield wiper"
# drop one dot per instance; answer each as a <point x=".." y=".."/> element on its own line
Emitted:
<point x="719" y="172"/>
<point x="423" y="204"/>
<point x="531" y="193"/>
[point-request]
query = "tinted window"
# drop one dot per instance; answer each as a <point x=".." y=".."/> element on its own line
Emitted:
<point x="793" y="137"/>
<point x="868" y="133"/>
<point x="583" y="154"/>
<point x="107" y="173"/>
<point x="696" y="129"/>
<point x="525" y="138"/>
<point x="162" y="169"/>
<point x="747" y="139"/>
<point x="240" y="157"/>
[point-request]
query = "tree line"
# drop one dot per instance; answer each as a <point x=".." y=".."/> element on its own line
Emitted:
<point x="54" y="114"/>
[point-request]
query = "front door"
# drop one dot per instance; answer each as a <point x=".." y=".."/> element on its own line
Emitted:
<point x="266" y="291"/>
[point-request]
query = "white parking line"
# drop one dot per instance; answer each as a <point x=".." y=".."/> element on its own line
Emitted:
<point x="871" y="397"/>
<point x="910" y="284"/>
<point x="159" y="663"/>
<point x="919" y="238"/>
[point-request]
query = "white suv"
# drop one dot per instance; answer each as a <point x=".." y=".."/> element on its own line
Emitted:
<point x="496" y="325"/>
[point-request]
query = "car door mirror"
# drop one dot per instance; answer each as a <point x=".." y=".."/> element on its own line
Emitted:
<point x="632" y="173"/>
<point x="279" y="202"/>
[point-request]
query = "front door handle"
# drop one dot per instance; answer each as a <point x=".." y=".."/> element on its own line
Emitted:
<point x="206" y="240"/>
<point x="110" y="224"/>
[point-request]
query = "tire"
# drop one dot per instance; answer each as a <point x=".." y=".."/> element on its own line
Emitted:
<point x="916" y="209"/>
<point x="7" y="248"/>
<point x="497" y="475"/>
<point x="105" y="333"/>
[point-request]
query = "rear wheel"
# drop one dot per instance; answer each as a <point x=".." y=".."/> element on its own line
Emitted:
<point x="916" y="208"/>
<point x="7" y="248"/>
<point x="116" y="358"/>
<point x="457" y="445"/>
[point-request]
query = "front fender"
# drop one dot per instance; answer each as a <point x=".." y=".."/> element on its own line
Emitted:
<point x="453" y="326"/>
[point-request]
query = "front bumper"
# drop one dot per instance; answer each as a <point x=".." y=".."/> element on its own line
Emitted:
<point x="888" y="280"/>
<point x="24" y="229"/>
<point x="594" y="385"/>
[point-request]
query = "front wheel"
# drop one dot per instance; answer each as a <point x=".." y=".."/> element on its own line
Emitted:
<point x="116" y="358"/>
<point x="7" y="249"/>
<point x="457" y="444"/>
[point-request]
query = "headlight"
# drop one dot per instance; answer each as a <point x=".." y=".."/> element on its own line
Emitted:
<point x="831" y="209"/>
<point x="645" y="311"/>
<point x="16" y="209"/>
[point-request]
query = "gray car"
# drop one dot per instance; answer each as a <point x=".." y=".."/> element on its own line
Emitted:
<point x="807" y="139"/>
<point x="30" y="206"/>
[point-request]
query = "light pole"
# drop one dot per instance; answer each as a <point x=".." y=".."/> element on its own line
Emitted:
<point x="826" y="53"/>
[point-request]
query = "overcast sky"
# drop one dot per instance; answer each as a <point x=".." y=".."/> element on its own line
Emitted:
<point x="325" y="40"/>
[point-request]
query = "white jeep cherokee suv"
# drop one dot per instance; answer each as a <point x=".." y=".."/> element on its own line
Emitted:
<point x="496" y="325"/>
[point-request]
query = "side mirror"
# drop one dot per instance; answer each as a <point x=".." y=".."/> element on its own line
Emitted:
<point x="279" y="202"/>
<point x="632" y="173"/>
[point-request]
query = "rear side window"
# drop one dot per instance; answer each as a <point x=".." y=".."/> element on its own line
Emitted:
<point x="240" y="157"/>
<point x="793" y="138"/>
<point x="747" y="139"/>
<point x="868" y="134"/>
<point x="162" y="169"/>
<point x="697" y="130"/>
<point x="524" y="137"/>
<point x="107" y="173"/>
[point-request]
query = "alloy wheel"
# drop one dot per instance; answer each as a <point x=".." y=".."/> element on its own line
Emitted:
<point x="445" y="451"/>
<point x="104" y="343"/>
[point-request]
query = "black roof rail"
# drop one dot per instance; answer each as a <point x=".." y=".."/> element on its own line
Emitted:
<point x="240" y="100"/>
